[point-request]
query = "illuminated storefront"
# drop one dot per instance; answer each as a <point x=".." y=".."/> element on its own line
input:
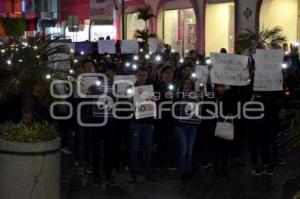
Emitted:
<point x="180" y="29"/>
<point x="219" y="27"/>
<point x="133" y="24"/>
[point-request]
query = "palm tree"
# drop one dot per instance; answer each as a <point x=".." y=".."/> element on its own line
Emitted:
<point x="144" y="14"/>
<point x="24" y="67"/>
<point x="266" y="38"/>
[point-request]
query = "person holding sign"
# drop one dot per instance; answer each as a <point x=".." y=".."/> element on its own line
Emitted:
<point x="185" y="131"/>
<point x="141" y="131"/>
<point x="164" y="137"/>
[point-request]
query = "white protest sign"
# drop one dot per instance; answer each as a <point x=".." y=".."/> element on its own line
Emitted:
<point x="161" y="46"/>
<point x="122" y="82"/>
<point x="143" y="107"/>
<point x="153" y="43"/>
<point x="106" y="46"/>
<point x="61" y="60"/>
<point x="202" y="73"/>
<point x="129" y="46"/>
<point x="268" y="72"/>
<point x="229" y="69"/>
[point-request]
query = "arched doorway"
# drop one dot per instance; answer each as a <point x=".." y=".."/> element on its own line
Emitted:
<point x="219" y="26"/>
<point x="271" y="13"/>
<point x="177" y="23"/>
<point x="131" y="22"/>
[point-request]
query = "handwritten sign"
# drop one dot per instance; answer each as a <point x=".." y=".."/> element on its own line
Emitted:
<point x="143" y="107"/>
<point x="129" y="46"/>
<point x="268" y="72"/>
<point x="61" y="60"/>
<point x="106" y="46"/>
<point x="122" y="82"/>
<point x="229" y="69"/>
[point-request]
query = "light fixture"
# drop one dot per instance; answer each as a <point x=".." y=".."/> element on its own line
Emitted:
<point x="71" y="71"/>
<point x="194" y="75"/>
<point x="181" y="60"/>
<point x="75" y="61"/>
<point x="8" y="62"/>
<point x="98" y="83"/>
<point x="48" y="76"/>
<point x="208" y="61"/>
<point x="127" y="64"/>
<point x="35" y="47"/>
<point x="147" y="56"/>
<point x="134" y="66"/>
<point x="171" y="87"/>
<point x="135" y="57"/>
<point x="158" y="58"/>
<point x="173" y="51"/>
<point x="82" y="52"/>
<point x="284" y="66"/>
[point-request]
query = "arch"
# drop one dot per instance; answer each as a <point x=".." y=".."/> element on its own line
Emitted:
<point x="196" y="11"/>
<point x="257" y="15"/>
<point x="128" y="4"/>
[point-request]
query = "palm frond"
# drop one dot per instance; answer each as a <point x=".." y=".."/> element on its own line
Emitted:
<point x="271" y="38"/>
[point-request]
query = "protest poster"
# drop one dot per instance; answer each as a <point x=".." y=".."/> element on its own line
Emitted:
<point x="229" y="69"/>
<point x="144" y="108"/>
<point x="129" y="46"/>
<point x="61" y="61"/>
<point x="106" y="46"/>
<point x="268" y="71"/>
<point x="85" y="47"/>
<point x="202" y="73"/>
<point x="122" y="82"/>
<point x="189" y="109"/>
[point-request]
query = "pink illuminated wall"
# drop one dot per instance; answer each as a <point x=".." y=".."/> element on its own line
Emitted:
<point x="80" y="8"/>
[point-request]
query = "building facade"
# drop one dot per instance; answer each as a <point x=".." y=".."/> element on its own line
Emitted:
<point x="205" y="25"/>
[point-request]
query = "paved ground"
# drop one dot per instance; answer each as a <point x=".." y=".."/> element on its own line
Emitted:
<point x="240" y="185"/>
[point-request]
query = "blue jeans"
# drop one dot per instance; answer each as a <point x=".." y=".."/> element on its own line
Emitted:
<point x="186" y="135"/>
<point x="141" y="133"/>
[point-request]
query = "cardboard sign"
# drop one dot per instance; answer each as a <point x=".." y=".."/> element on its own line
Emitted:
<point x="229" y="69"/>
<point x="143" y="107"/>
<point x="122" y="82"/>
<point x="129" y="46"/>
<point x="268" y="71"/>
<point x="106" y="46"/>
<point x="61" y="60"/>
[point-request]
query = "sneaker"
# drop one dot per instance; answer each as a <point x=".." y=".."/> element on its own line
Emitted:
<point x="132" y="180"/>
<point x="66" y="151"/>
<point x="89" y="170"/>
<point x="279" y="163"/>
<point x="204" y="166"/>
<point x="256" y="172"/>
<point x="267" y="171"/>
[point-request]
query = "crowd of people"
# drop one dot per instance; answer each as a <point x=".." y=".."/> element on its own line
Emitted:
<point x="148" y="145"/>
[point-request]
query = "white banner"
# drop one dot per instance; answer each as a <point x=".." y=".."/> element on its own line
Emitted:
<point x="106" y="46"/>
<point x="144" y="108"/>
<point x="156" y="45"/>
<point x="101" y="9"/>
<point x="122" y="83"/>
<point x="268" y="71"/>
<point x="202" y="73"/>
<point x="129" y="46"/>
<point x="229" y="69"/>
<point x="56" y="59"/>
